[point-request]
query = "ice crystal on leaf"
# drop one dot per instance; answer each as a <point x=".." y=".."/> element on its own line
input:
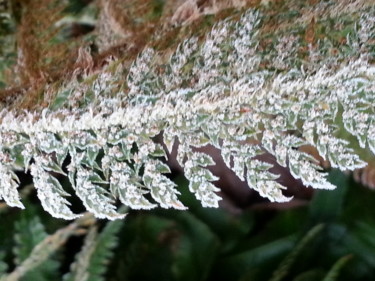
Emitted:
<point x="8" y="187"/>
<point x="226" y="91"/>
<point x="50" y="193"/>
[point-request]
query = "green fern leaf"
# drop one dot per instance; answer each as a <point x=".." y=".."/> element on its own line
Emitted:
<point x="288" y="261"/>
<point x="92" y="261"/>
<point x="30" y="232"/>
<point x="334" y="272"/>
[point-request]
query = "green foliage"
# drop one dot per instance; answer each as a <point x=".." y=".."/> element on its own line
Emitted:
<point x="98" y="249"/>
<point x="287" y="263"/>
<point x="3" y="265"/>
<point x="29" y="232"/>
<point x="329" y="238"/>
<point x="326" y="206"/>
<point x="333" y="274"/>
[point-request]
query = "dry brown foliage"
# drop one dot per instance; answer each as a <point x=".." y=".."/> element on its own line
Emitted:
<point x="39" y="60"/>
<point x="123" y="29"/>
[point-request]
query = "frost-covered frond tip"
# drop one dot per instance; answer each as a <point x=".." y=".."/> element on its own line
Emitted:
<point x="236" y="90"/>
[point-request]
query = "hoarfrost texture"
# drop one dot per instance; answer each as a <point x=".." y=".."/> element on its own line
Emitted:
<point x="214" y="91"/>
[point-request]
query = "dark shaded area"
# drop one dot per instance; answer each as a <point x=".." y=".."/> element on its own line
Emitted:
<point x="258" y="242"/>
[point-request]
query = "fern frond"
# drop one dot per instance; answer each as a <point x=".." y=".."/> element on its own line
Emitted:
<point x="92" y="261"/>
<point x="79" y="268"/>
<point x="234" y="89"/>
<point x="42" y="250"/>
<point x="286" y="264"/>
<point x="29" y="232"/>
<point x="334" y="272"/>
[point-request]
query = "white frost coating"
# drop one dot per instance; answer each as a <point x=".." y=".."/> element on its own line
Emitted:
<point x="371" y="136"/>
<point x="302" y="168"/>
<point x="8" y="188"/>
<point x="134" y="117"/>
<point x="264" y="182"/>
<point x="50" y="194"/>
<point x="162" y="189"/>
<point x="215" y="93"/>
<point x="126" y="187"/>
<point x="95" y="198"/>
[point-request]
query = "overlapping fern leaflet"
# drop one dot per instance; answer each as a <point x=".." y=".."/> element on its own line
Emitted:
<point x="226" y="91"/>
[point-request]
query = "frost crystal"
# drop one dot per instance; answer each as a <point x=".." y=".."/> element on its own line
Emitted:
<point x="235" y="90"/>
<point x="50" y="193"/>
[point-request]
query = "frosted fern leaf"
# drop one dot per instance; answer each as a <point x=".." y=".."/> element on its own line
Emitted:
<point x="8" y="187"/>
<point x="234" y="89"/>
<point x="50" y="193"/>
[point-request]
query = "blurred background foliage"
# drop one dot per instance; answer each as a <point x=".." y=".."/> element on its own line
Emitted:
<point x="330" y="237"/>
